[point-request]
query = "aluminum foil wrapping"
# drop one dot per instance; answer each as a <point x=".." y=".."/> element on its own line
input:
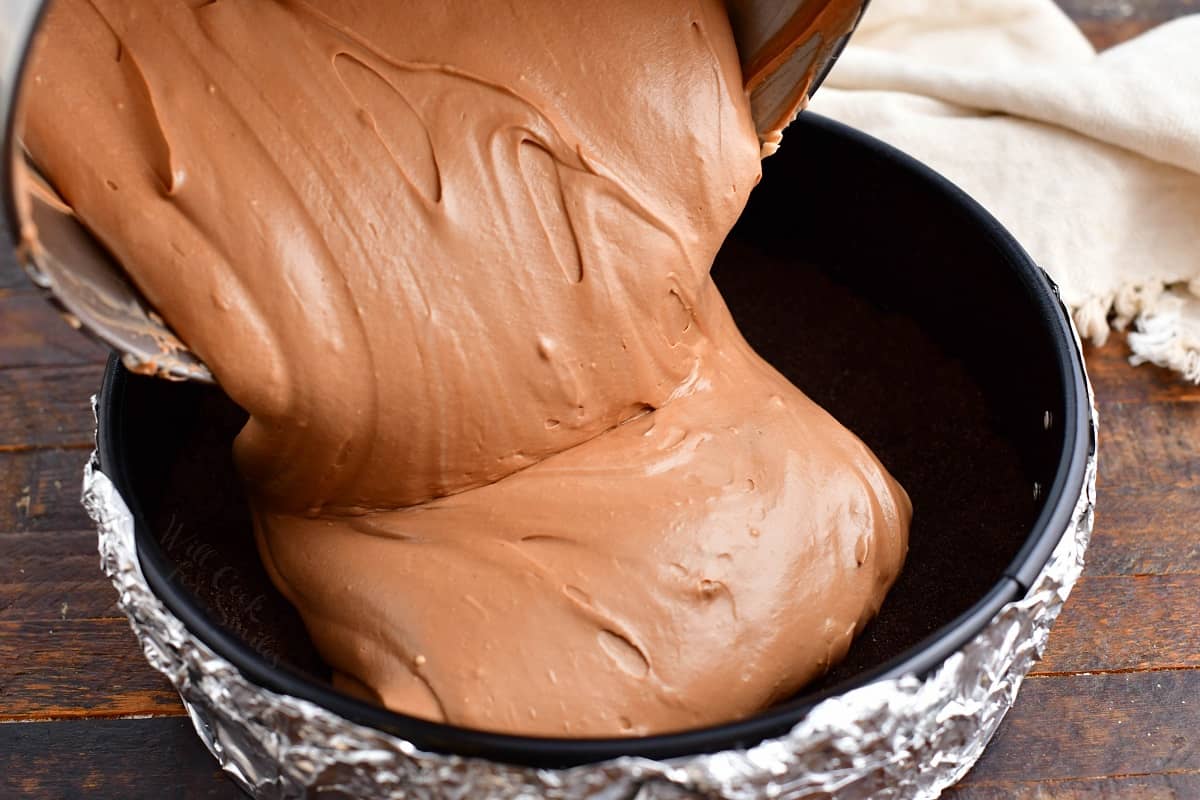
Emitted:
<point x="903" y="738"/>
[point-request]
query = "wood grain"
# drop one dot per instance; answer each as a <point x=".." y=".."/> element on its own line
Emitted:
<point x="1153" y="448"/>
<point x="33" y="334"/>
<point x="1161" y="786"/>
<point x="1085" y="726"/>
<point x="63" y="669"/>
<point x="47" y="407"/>
<point x="135" y="759"/>
<point x="1127" y="623"/>
<point x="53" y="575"/>
<point x="1109" y="367"/>
<point x="1145" y="533"/>
<point x="39" y="491"/>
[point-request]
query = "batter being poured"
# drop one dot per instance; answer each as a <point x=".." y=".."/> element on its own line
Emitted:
<point x="507" y="452"/>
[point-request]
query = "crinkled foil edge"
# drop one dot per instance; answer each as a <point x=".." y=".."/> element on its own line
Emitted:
<point x="903" y="738"/>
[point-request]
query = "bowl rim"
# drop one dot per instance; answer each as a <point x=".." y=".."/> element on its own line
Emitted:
<point x="920" y="660"/>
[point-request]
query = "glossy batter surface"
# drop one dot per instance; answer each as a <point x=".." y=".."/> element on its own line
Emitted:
<point x="507" y="452"/>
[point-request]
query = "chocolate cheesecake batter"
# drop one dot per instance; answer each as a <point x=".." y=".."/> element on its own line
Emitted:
<point x="507" y="452"/>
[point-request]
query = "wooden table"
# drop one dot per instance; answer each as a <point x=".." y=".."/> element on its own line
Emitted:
<point x="1112" y="712"/>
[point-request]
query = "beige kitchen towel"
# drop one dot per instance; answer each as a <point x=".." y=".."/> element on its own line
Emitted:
<point x="1092" y="161"/>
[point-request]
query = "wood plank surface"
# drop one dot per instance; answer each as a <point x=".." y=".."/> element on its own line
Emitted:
<point x="53" y="575"/>
<point x="33" y="334"/>
<point x="131" y="759"/>
<point x="1113" y="711"/>
<point x="1145" y="533"/>
<point x="39" y="489"/>
<point x="47" y="407"/>
<point x="1083" y="726"/>
<point x="1154" y="448"/>
<point x="1159" y="786"/>
<point x="1128" y="623"/>
<point x="61" y="669"/>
